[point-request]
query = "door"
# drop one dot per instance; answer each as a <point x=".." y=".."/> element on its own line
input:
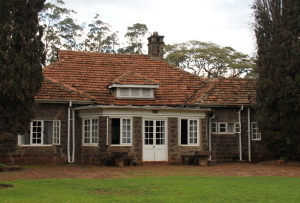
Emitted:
<point x="154" y="140"/>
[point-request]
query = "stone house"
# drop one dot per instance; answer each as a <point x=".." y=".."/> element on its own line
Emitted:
<point x="96" y="107"/>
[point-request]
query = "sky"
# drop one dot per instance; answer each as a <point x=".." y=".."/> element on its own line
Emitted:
<point x="224" y="22"/>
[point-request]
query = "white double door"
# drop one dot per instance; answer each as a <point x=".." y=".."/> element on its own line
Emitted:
<point x="154" y="140"/>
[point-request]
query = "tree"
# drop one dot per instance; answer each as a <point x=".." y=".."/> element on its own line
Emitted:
<point x="100" y="38"/>
<point x="21" y="58"/>
<point x="70" y="33"/>
<point x="56" y="20"/>
<point x="277" y="29"/>
<point x="134" y="37"/>
<point x="208" y="59"/>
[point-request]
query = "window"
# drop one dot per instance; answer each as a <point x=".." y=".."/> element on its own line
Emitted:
<point x="135" y="92"/>
<point x="121" y="131"/>
<point x="223" y="127"/>
<point x="41" y="133"/>
<point x="90" y="132"/>
<point x="189" y="132"/>
<point x="255" y="131"/>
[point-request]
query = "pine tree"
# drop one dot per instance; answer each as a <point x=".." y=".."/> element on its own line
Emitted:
<point x="21" y="59"/>
<point x="277" y="29"/>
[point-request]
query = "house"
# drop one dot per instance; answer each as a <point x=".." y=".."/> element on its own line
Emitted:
<point x="94" y="107"/>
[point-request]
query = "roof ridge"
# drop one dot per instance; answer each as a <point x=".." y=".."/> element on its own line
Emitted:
<point x="69" y="88"/>
<point x="195" y="93"/>
<point x="100" y="53"/>
<point x="206" y="94"/>
<point x="180" y="69"/>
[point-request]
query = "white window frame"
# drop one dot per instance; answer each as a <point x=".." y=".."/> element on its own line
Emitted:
<point x="131" y="93"/>
<point x="189" y="143"/>
<point x="257" y="133"/>
<point x="216" y="127"/>
<point x="93" y="129"/>
<point x="122" y="131"/>
<point x="56" y="133"/>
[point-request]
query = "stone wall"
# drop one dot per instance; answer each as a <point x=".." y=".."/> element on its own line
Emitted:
<point x="97" y="154"/>
<point x="40" y="154"/>
<point x="225" y="147"/>
<point x="176" y="151"/>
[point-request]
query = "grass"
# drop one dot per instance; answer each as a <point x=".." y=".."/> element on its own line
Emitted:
<point x="154" y="189"/>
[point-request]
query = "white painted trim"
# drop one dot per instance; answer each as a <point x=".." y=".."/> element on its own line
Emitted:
<point x="162" y="113"/>
<point x="73" y="133"/>
<point x="133" y="86"/>
<point x="107" y="131"/>
<point x="166" y="134"/>
<point x="130" y="96"/>
<point x="252" y="123"/>
<point x="249" y="136"/>
<point x="240" y="133"/>
<point x="218" y="127"/>
<point x="121" y="131"/>
<point x="188" y="128"/>
<point x="90" y="136"/>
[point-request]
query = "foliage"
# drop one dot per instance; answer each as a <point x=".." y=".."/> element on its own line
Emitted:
<point x="100" y="38"/>
<point x="134" y="37"/>
<point x="155" y="189"/>
<point x="277" y="30"/>
<point x="208" y="59"/>
<point x="21" y="59"/>
<point x="58" y="25"/>
<point x="70" y="33"/>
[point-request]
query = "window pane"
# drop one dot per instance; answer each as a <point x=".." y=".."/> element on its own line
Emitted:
<point x="135" y="92"/>
<point x="48" y="132"/>
<point x="230" y="128"/>
<point x="222" y="127"/>
<point x="115" y="131"/>
<point x="146" y="92"/>
<point x="124" y="92"/>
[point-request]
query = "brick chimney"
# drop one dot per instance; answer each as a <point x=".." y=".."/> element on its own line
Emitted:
<point x="156" y="46"/>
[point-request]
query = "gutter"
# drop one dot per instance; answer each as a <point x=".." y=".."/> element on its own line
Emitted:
<point x="249" y="136"/>
<point x="73" y="136"/>
<point x="240" y="133"/>
<point x="139" y="107"/>
<point x="68" y="141"/>
<point x="209" y="135"/>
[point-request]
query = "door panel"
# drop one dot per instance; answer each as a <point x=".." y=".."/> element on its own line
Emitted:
<point x="154" y="144"/>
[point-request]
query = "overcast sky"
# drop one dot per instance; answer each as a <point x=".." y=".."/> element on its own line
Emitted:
<point x="224" y="22"/>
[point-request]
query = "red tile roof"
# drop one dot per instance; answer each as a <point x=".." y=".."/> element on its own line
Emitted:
<point x="229" y="91"/>
<point x="89" y="74"/>
<point x="132" y="78"/>
<point x="51" y="89"/>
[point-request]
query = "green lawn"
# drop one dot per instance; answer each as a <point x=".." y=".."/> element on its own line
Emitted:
<point x="154" y="189"/>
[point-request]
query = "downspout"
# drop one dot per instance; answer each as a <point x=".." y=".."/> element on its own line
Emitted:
<point x="73" y="136"/>
<point x="69" y="127"/>
<point x="249" y="136"/>
<point x="240" y="133"/>
<point x="209" y="135"/>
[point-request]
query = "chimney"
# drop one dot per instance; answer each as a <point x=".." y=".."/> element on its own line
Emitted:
<point x="156" y="46"/>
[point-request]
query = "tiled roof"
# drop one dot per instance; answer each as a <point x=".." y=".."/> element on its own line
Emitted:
<point x="132" y="78"/>
<point x="51" y="89"/>
<point x="229" y="91"/>
<point x="90" y="74"/>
